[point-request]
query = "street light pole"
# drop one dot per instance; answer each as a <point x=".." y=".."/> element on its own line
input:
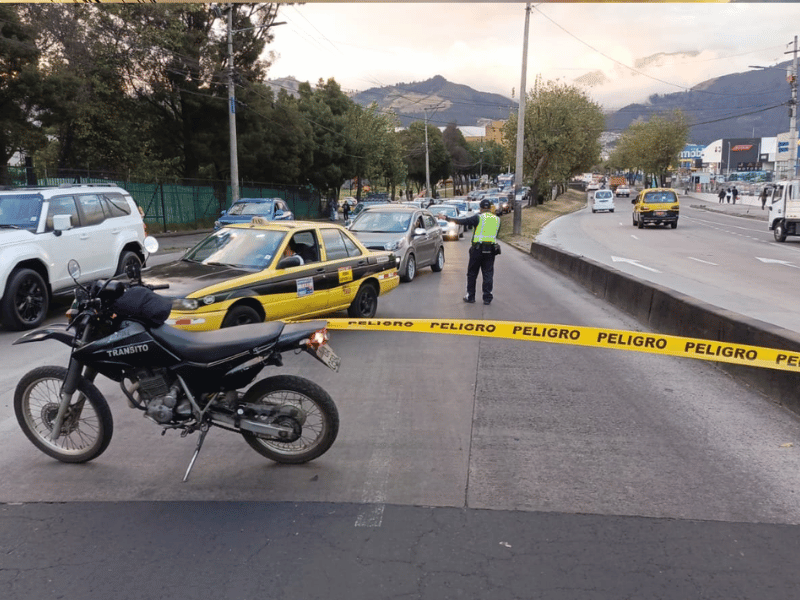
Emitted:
<point x="427" y="161"/>
<point x="793" y="115"/>
<point x="232" y="112"/>
<point x="728" y="165"/>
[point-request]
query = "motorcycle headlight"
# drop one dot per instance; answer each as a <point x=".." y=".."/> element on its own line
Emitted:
<point x="185" y="304"/>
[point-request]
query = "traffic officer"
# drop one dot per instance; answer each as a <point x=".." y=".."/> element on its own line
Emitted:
<point x="485" y="225"/>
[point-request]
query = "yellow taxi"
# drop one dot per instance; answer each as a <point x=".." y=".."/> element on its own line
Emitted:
<point x="268" y="270"/>
<point x="658" y="206"/>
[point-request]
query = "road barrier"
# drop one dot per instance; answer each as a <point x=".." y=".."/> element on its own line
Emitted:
<point x="635" y="341"/>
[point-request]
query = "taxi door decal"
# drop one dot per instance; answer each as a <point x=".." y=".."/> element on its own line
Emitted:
<point x="305" y="286"/>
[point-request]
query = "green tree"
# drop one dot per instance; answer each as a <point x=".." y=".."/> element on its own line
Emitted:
<point x="19" y="87"/>
<point x="412" y="140"/>
<point x="653" y="146"/>
<point x="328" y="109"/>
<point x="377" y="153"/>
<point x="562" y="134"/>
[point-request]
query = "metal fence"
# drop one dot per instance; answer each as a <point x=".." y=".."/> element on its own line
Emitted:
<point x="173" y="206"/>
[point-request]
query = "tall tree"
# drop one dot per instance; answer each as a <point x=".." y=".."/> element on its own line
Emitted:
<point x="456" y="145"/>
<point x="562" y="134"/>
<point x="19" y="87"/>
<point x="653" y="146"/>
<point x="412" y="141"/>
<point x="327" y="108"/>
<point x="377" y="153"/>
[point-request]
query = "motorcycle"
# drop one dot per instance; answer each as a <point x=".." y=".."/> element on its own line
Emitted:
<point x="186" y="381"/>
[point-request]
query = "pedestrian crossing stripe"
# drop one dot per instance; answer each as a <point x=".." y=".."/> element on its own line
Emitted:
<point x="634" y="341"/>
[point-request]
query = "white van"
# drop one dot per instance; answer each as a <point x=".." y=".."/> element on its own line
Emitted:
<point x="603" y="200"/>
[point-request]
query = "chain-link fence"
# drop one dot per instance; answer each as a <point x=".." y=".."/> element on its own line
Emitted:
<point x="191" y="205"/>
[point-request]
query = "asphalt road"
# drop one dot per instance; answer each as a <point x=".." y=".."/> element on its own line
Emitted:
<point x="464" y="468"/>
<point x="724" y="255"/>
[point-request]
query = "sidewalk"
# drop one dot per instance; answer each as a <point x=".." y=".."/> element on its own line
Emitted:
<point x="746" y="206"/>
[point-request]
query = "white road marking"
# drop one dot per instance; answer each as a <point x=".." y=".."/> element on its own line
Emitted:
<point x="374" y="493"/>
<point x="635" y="263"/>
<point x="777" y="262"/>
<point x="702" y="261"/>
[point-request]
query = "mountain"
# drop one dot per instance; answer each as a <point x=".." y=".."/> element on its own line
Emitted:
<point x="749" y="104"/>
<point x="446" y="102"/>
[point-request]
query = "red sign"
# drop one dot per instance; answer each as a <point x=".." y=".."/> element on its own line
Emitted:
<point x="741" y="147"/>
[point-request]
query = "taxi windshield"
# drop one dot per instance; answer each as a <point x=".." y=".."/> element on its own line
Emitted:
<point x="251" y="208"/>
<point x="20" y="211"/>
<point x="660" y="197"/>
<point x="241" y="248"/>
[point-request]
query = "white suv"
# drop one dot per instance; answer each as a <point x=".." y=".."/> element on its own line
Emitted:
<point x="41" y="228"/>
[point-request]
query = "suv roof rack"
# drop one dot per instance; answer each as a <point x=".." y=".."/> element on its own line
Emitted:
<point x="69" y="185"/>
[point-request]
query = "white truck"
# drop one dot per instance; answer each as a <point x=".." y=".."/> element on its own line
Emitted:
<point x="783" y="200"/>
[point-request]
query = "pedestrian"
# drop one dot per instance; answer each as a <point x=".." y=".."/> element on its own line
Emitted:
<point x="763" y="197"/>
<point x="734" y="194"/>
<point x="721" y="195"/>
<point x="483" y="250"/>
<point x="333" y="208"/>
<point x="346" y="210"/>
<point x="728" y="195"/>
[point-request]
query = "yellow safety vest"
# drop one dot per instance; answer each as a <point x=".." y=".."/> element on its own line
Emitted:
<point x="486" y="230"/>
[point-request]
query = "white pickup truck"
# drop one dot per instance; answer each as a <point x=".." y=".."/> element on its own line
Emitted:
<point x="783" y="200"/>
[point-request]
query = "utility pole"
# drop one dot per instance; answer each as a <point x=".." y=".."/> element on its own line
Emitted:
<point x="232" y="112"/>
<point x="521" y="127"/>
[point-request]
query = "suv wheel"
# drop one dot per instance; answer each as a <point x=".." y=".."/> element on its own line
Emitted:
<point x="128" y="259"/>
<point x="25" y="301"/>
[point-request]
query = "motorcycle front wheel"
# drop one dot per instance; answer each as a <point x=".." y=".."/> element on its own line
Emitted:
<point x="87" y="427"/>
<point x="317" y="423"/>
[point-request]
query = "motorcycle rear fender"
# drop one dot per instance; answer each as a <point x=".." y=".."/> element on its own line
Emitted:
<point x="294" y="333"/>
<point x="53" y="332"/>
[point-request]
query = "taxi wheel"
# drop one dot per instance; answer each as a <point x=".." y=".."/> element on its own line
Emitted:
<point x="241" y="315"/>
<point x="365" y="304"/>
<point x="640" y="224"/>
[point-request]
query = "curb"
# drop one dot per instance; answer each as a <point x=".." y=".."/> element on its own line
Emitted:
<point x="670" y="312"/>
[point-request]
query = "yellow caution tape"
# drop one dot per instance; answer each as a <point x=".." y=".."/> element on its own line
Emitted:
<point x="635" y="341"/>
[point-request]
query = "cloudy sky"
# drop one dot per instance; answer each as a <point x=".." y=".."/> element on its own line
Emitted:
<point x="365" y="45"/>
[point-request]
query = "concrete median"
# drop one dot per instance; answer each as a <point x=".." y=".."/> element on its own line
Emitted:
<point x="666" y="311"/>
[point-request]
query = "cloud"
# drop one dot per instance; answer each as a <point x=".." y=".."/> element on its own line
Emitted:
<point x="365" y="45"/>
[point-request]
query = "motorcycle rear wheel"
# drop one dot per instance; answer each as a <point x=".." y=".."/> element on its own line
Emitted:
<point x="320" y="418"/>
<point x="87" y="428"/>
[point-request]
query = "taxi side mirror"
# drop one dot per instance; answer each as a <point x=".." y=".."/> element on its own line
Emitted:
<point x="633" y="201"/>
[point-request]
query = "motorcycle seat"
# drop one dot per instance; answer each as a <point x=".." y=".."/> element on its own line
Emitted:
<point x="210" y="346"/>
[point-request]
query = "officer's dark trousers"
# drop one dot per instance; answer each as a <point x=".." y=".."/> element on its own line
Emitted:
<point x="483" y="261"/>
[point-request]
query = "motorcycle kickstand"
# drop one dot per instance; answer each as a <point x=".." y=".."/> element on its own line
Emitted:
<point x="203" y="431"/>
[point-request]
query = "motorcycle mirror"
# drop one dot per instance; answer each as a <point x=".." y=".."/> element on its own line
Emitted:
<point x="150" y="244"/>
<point x="74" y="269"/>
